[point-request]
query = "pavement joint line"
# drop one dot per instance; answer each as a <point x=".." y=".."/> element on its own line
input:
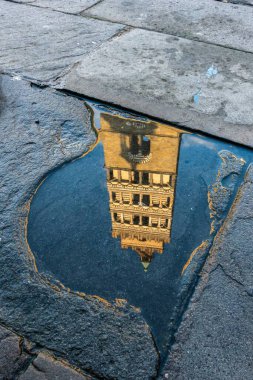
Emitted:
<point x="235" y="2"/>
<point x="219" y="266"/>
<point x="124" y="30"/>
<point x="93" y="17"/>
<point x="82" y="96"/>
<point x="66" y="70"/>
<point x="165" y="34"/>
<point x="92" y="6"/>
<point x="167" y="121"/>
<point x="51" y="9"/>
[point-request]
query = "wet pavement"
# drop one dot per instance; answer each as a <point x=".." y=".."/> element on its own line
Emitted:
<point x="122" y="221"/>
<point x="154" y="57"/>
<point x="171" y="268"/>
<point x="58" y="166"/>
<point x="41" y="130"/>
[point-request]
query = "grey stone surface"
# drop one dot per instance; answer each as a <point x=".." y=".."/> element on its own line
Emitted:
<point x="192" y="84"/>
<point x="12" y="359"/>
<point x="220" y="196"/>
<point x="68" y="6"/>
<point x="40" y="44"/>
<point x="206" y="20"/>
<point x="221" y="190"/>
<point x="240" y="2"/>
<point x="45" y="367"/>
<point x="20" y="1"/>
<point x="214" y="340"/>
<point x="40" y="130"/>
<point x="17" y="362"/>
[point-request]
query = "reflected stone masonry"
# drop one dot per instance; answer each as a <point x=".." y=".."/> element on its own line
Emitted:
<point x="141" y="161"/>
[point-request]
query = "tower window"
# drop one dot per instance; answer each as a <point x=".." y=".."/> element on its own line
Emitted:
<point x="124" y="176"/>
<point x="116" y="217"/>
<point x="156" y="179"/>
<point x="145" y="178"/>
<point x="146" y="200"/>
<point x="114" y="174"/>
<point x="111" y="173"/>
<point x="140" y="144"/>
<point x="166" y="179"/>
<point x="145" y="220"/>
<point x="156" y="201"/>
<point x="127" y="219"/>
<point x="136" y="177"/>
<point x="145" y="145"/>
<point x="136" y="219"/>
<point x="134" y="144"/>
<point x="164" y="223"/>
<point x="154" y="222"/>
<point x="126" y="198"/>
<point x="136" y="199"/>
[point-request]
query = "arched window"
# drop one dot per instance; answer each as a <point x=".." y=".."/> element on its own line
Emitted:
<point x="140" y="144"/>
<point x="145" y="145"/>
<point x="139" y="150"/>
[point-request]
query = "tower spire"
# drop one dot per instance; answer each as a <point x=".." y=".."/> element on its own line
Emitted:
<point x="146" y="255"/>
<point x="145" y="265"/>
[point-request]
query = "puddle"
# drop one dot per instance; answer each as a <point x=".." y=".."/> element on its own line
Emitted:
<point x="122" y="221"/>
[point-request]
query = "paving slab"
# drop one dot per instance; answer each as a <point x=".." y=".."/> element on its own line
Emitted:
<point x="43" y="43"/>
<point x="214" y="340"/>
<point x="241" y="2"/>
<point x="192" y="84"/>
<point x="12" y="359"/>
<point x="68" y="6"/>
<point x="41" y="130"/>
<point x="210" y="21"/>
<point x="45" y="367"/>
<point x="16" y="361"/>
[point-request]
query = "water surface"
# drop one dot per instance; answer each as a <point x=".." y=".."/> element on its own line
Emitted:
<point x="122" y="221"/>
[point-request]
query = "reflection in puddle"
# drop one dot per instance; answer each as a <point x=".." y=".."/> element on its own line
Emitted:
<point x="141" y="164"/>
<point x="122" y="221"/>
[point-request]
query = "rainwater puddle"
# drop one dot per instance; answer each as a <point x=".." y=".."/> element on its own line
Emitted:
<point x="122" y="221"/>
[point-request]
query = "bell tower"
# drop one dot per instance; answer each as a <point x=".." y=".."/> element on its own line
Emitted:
<point x="141" y="161"/>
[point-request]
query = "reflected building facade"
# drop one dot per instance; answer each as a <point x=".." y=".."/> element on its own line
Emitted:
<point x="141" y="160"/>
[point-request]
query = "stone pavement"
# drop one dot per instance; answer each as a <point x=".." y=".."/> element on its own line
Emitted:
<point x="44" y="43"/>
<point x="19" y="360"/>
<point x="215" y="338"/>
<point x="40" y="130"/>
<point x="187" y="62"/>
<point x="208" y="21"/>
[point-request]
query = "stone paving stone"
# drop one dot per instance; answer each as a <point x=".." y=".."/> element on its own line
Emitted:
<point x="206" y="20"/>
<point x="214" y="340"/>
<point x="11" y="358"/>
<point x="241" y="2"/>
<point x="46" y="368"/>
<point x="193" y="84"/>
<point x="69" y="6"/>
<point x="40" y="43"/>
<point x="20" y="1"/>
<point x="40" y="130"/>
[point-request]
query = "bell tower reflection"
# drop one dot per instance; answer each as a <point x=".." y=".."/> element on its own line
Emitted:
<point x="141" y="162"/>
